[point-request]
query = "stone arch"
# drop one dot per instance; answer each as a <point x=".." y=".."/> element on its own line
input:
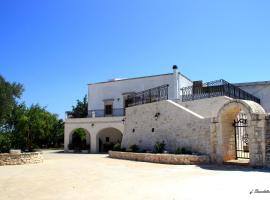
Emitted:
<point x="107" y="137"/>
<point x="223" y="137"/>
<point x="87" y="139"/>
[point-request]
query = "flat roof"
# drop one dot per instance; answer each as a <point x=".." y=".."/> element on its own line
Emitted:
<point x="253" y="83"/>
<point x="126" y="79"/>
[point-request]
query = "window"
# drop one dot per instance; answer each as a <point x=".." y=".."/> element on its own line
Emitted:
<point x="108" y="110"/>
<point x="107" y="139"/>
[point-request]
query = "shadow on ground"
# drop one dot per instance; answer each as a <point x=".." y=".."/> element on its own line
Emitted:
<point x="233" y="168"/>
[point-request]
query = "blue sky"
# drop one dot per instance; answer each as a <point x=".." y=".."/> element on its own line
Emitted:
<point x="56" y="47"/>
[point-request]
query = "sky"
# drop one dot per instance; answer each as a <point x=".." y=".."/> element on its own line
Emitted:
<point x="56" y="47"/>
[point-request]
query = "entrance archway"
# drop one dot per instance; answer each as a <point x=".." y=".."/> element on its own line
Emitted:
<point x="241" y="136"/>
<point x="107" y="138"/>
<point x="79" y="140"/>
<point x="238" y="133"/>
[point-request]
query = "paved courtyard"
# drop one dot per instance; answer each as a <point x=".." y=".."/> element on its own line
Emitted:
<point x="89" y="176"/>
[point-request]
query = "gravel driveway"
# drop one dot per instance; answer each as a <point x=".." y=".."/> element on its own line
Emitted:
<point x="95" y="176"/>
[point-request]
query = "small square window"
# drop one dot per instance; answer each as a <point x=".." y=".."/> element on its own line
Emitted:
<point x="107" y="139"/>
<point x="153" y="130"/>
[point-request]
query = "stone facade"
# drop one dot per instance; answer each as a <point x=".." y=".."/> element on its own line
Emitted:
<point x="176" y="125"/>
<point x="161" y="158"/>
<point x="204" y="126"/>
<point x="21" y="158"/>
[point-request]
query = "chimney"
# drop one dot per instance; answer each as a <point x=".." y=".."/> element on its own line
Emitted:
<point x="176" y="88"/>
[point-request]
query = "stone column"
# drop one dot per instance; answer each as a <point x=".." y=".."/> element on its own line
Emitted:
<point x="66" y="138"/>
<point x="94" y="142"/>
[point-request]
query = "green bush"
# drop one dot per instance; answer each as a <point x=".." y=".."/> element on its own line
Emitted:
<point x="5" y="142"/>
<point x="185" y="151"/>
<point x="178" y="151"/>
<point x="134" y="148"/>
<point x="159" y="147"/>
<point x="117" y="147"/>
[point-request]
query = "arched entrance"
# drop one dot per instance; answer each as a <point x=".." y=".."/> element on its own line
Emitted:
<point x="79" y="140"/>
<point x="241" y="136"/>
<point x="107" y="138"/>
<point x="238" y="133"/>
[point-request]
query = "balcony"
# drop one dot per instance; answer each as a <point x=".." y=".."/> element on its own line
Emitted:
<point x="149" y="96"/>
<point x="117" y="112"/>
<point x="217" y="88"/>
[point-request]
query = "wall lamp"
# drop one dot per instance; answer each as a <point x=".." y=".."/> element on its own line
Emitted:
<point x="157" y="115"/>
<point x="123" y="120"/>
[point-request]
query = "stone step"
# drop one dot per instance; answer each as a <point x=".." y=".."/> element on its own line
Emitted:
<point x="240" y="162"/>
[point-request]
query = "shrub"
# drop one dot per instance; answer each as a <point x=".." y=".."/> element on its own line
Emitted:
<point x="71" y="147"/>
<point x="5" y="143"/>
<point x="185" y="151"/>
<point x="178" y="151"/>
<point x="159" y="147"/>
<point x="123" y="149"/>
<point x="134" y="148"/>
<point x="117" y="147"/>
<point x="144" y="151"/>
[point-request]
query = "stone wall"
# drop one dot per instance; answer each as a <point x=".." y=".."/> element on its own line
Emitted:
<point x="261" y="91"/>
<point x="161" y="158"/>
<point x="267" y="141"/>
<point x="207" y="107"/>
<point x="20" y="159"/>
<point x="176" y="125"/>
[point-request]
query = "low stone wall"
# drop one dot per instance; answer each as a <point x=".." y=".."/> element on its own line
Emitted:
<point x="161" y="158"/>
<point x="20" y="159"/>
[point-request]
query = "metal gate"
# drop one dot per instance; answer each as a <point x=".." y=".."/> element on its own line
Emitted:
<point x="241" y="137"/>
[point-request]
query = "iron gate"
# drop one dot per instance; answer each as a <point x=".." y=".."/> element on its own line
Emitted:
<point x="241" y="137"/>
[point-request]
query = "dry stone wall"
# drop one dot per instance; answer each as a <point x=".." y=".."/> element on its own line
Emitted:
<point x="20" y="159"/>
<point x="161" y="158"/>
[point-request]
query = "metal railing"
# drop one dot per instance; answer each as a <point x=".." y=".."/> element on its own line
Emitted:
<point x="214" y="89"/>
<point x="116" y="112"/>
<point x="149" y="96"/>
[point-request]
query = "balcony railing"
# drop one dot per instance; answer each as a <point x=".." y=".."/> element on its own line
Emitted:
<point x="149" y="96"/>
<point x="221" y="87"/>
<point x="117" y="112"/>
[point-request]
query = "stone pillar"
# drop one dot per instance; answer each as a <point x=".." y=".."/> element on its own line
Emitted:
<point x="176" y="82"/>
<point x="94" y="142"/>
<point x="66" y="138"/>
<point x="267" y="141"/>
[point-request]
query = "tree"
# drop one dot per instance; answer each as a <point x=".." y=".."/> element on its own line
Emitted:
<point x="9" y="93"/>
<point x="23" y="127"/>
<point x="38" y="127"/>
<point x="81" y="109"/>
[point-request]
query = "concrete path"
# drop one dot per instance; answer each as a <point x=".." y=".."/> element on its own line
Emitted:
<point x="97" y="177"/>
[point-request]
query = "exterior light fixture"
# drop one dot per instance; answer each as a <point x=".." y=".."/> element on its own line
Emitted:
<point x="123" y="120"/>
<point x="157" y="115"/>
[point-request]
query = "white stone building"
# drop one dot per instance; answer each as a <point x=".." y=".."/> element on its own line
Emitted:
<point x="225" y="121"/>
<point x="107" y="102"/>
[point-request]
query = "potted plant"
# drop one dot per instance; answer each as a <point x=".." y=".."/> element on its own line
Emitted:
<point x="71" y="148"/>
<point x="85" y="148"/>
